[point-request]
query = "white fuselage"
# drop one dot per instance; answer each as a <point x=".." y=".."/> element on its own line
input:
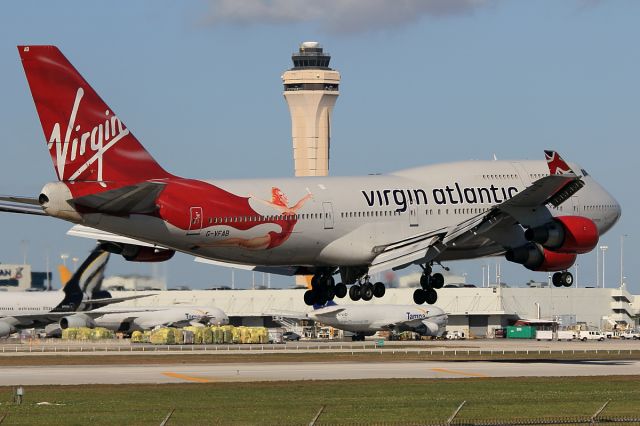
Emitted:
<point x="176" y="316"/>
<point x="29" y="303"/>
<point x="349" y="218"/>
<point x="368" y="319"/>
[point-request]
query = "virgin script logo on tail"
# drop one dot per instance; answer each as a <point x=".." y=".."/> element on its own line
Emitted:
<point x="96" y="141"/>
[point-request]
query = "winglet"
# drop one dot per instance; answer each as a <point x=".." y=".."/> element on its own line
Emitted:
<point x="557" y="166"/>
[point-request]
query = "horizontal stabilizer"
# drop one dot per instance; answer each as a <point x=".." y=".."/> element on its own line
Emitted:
<point x="134" y="199"/>
<point x="24" y="205"/>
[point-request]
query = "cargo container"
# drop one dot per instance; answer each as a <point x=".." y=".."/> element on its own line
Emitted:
<point x="521" y="332"/>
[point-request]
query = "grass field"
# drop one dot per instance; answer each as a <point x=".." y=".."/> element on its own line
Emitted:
<point x="354" y="402"/>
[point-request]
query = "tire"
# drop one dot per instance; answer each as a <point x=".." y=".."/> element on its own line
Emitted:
<point x="584" y="339"/>
<point x="432" y="296"/>
<point x="309" y="297"/>
<point x="367" y="292"/>
<point x="437" y="281"/>
<point x="425" y="281"/>
<point x="567" y="279"/>
<point x="419" y="296"/>
<point x="341" y="290"/>
<point x="557" y="279"/>
<point x="354" y="292"/>
<point x="330" y="293"/>
<point x="379" y="289"/>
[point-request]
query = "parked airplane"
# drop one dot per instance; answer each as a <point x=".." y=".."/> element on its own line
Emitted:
<point x="366" y="320"/>
<point x="535" y="213"/>
<point x="171" y="316"/>
<point x="20" y="310"/>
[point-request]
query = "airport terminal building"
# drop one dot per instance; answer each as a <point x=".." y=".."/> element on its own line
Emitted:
<point x="477" y="312"/>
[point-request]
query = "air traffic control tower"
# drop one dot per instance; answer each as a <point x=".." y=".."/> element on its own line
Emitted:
<point x="311" y="90"/>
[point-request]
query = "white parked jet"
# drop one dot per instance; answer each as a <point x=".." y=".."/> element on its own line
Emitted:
<point x="19" y="310"/>
<point x="140" y="319"/>
<point x="366" y="320"/>
<point x="540" y="214"/>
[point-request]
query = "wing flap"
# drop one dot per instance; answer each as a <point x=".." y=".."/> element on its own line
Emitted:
<point x="96" y="234"/>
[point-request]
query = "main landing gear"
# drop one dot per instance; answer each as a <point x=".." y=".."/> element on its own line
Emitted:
<point x="429" y="283"/>
<point x="324" y="289"/>
<point x="366" y="291"/>
<point x="560" y="279"/>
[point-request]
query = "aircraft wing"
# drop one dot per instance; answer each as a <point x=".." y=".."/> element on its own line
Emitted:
<point x="96" y="234"/>
<point x="24" y="205"/>
<point x="278" y="270"/>
<point x="553" y="189"/>
<point x="111" y="300"/>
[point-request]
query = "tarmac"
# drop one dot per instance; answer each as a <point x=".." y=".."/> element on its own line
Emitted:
<point x="292" y="371"/>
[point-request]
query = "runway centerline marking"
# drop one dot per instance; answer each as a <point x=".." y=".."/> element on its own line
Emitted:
<point x="462" y="373"/>
<point x="185" y="377"/>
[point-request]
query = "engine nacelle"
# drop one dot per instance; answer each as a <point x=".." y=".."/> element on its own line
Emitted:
<point x="6" y="329"/>
<point x="77" y="320"/>
<point x="536" y="258"/>
<point x="134" y="253"/>
<point x="54" y="200"/>
<point x="428" y="328"/>
<point x="566" y="234"/>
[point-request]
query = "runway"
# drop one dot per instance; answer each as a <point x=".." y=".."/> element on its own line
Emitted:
<point x="291" y="371"/>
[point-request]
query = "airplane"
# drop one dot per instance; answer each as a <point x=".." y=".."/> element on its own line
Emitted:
<point x="133" y="318"/>
<point x="366" y="320"/>
<point x="146" y="319"/>
<point x="540" y="214"/>
<point x="72" y="305"/>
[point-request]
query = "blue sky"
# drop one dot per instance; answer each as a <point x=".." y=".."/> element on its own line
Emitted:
<point x="422" y="82"/>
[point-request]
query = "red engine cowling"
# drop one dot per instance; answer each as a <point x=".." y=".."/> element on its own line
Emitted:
<point x="566" y="234"/>
<point x="535" y="258"/>
<point x="134" y="253"/>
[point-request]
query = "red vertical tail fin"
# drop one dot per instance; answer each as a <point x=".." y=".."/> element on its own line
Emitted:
<point x="86" y="139"/>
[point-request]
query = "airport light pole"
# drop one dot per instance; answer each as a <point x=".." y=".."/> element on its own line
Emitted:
<point x="604" y="249"/>
<point x="622" y="237"/>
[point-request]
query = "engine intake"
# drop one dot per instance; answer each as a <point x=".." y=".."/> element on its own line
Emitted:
<point x="566" y="234"/>
<point x="6" y="329"/>
<point x="536" y="258"/>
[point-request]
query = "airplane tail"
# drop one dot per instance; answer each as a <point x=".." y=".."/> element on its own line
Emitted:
<point x="86" y="139"/>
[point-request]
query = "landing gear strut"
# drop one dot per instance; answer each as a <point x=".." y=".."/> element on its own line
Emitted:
<point x="560" y="279"/>
<point x="429" y="283"/>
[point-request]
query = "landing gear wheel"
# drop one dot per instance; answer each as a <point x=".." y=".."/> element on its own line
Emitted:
<point x="354" y="292"/>
<point x="556" y="279"/>
<point x="431" y="296"/>
<point x="566" y="278"/>
<point x="330" y="293"/>
<point x="425" y="281"/>
<point x="341" y="290"/>
<point x="309" y="297"/>
<point x="437" y="281"/>
<point x="419" y="296"/>
<point x="366" y="292"/>
<point x="378" y="289"/>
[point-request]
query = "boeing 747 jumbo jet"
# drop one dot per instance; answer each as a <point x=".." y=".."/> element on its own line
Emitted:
<point x="540" y="214"/>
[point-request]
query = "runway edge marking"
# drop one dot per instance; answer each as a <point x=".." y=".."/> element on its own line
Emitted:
<point x="462" y="373"/>
<point x="185" y="377"/>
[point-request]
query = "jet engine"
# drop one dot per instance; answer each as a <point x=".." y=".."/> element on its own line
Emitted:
<point x="6" y="329"/>
<point x="536" y="258"/>
<point x="428" y="328"/>
<point x="134" y="253"/>
<point x="565" y="234"/>
<point x="77" y="320"/>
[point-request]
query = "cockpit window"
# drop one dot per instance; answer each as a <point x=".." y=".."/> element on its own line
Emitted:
<point x="584" y="172"/>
